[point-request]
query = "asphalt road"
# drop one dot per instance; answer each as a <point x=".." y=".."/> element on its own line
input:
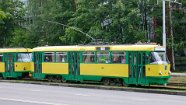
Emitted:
<point x="30" y="94"/>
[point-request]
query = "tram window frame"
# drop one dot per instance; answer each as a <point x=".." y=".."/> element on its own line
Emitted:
<point x="158" y="57"/>
<point x="105" y="57"/>
<point x="151" y="58"/>
<point x="1" y="57"/>
<point x="120" y="57"/>
<point x="49" y="56"/>
<point x="20" y="56"/>
<point x="88" y="57"/>
<point x="62" y="57"/>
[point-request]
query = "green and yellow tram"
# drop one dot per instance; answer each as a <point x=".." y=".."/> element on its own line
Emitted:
<point x="110" y="64"/>
<point x="15" y="62"/>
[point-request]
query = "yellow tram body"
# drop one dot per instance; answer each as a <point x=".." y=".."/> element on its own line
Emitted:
<point x="140" y="68"/>
<point x="13" y="64"/>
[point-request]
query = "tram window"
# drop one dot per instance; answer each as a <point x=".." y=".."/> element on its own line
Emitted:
<point x="103" y="57"/>
<point x="24" y="57"/>
<point x="159" y="57"/>
<point x="151" y="58"/>
<point x="162" y="57"/>
<point x="88" y="57"/>
<point x="61" y="56"/>
<point x="49" y="57"/>
<point x="118" y="57"/>
<point x="1" y="57"/>
<point x="135" y="59"/>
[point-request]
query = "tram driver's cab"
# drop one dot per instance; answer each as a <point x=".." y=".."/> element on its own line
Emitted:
<point x="158" y="64"/>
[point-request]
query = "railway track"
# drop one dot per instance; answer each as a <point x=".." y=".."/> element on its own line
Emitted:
<point x="177" y="84"/>
<point x="171" y="88"/>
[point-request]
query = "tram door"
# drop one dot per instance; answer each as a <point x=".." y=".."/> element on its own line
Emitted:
<point x="9" y="63"/>
<point x="136" y="67"/>
<point x="37" y="62"/>
<point x="74" y="65"/>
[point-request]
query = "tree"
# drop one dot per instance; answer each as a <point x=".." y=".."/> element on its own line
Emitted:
<point x="2" y="16"/>
<point x="41" y="11"/>
<point x="109" y="20"/>
<point x="11" y="14"/>
<point x="120" y="21"/>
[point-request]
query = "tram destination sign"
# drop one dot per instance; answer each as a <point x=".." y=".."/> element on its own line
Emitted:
<point x="159" y="49"/>
<point x="103" y="48"/>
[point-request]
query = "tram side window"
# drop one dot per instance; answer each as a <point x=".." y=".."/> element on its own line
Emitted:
<point x="118" y="57"/>
<point x="49" y="57"/>
<point x="88" y="57"/>
<point x="61" y="57"/>
<point x="24" y="57"/>
<point x="151" y="58"/>
<point x="103" y="57"/>
<point x="1" y="58"/>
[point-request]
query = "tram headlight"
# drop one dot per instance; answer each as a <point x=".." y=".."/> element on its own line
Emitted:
<point x="170" y="72"/>
<point x="160" y="73"/>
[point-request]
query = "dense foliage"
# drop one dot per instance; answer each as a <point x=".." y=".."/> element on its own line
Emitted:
<point x="68" y="22"/>
<point x="11" y="18"/>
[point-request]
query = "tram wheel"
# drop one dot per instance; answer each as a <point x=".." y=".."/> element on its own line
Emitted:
<point x="120" y="82"/>
<point x="50" y="78"/>
<point x="106" y="81"/>
<point x="58" y="79"/>
<point x="63" y="80"/>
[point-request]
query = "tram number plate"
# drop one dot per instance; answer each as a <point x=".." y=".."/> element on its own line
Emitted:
<point x="102" y="48"/>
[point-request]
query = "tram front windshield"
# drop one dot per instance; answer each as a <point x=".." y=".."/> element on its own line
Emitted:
<point x="158" y="58"/>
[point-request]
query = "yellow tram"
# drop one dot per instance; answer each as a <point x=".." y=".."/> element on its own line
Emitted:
<point x="109" y="64"/>
<point x="15" y="62"/>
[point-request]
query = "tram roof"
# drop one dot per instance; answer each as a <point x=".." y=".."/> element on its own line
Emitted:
<point x="15" y="50"/>
<point x="98" y="47"/>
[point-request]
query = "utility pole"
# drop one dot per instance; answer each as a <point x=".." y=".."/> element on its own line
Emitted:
<point x="172" y="37"/>
<point x="164" y="24"/>
<point x="164" y="27"/>
<point x="171" y="32"/>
